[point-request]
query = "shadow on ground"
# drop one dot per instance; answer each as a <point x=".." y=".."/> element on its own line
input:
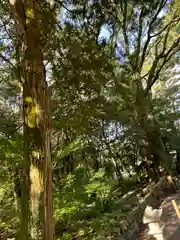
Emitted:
<point x="175" y="236"/>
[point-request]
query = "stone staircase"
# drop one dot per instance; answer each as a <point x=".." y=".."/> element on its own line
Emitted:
<point x="130" y="227"/>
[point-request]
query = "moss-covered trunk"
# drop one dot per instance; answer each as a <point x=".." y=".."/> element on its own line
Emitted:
<point x="37" y="184"/>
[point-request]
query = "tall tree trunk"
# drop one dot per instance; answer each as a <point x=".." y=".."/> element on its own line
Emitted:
<point x="150" y="126"/>
<point x="37" y="128"/>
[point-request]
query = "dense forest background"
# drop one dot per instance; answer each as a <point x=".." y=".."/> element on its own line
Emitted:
<point x="103" y="77"/>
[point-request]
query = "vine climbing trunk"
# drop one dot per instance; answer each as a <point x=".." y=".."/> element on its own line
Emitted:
<point x="37" y="184"/>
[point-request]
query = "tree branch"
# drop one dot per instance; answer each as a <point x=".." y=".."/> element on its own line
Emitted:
<point x="149" y="37"/>
<point x="14" y="131"/>
<point x="152" y="79"/>
<point x="124" y="26"/>
<point x="139" y="36"/>
<point x="173" y="46"/>
<point x="62" y="5"/>
<point x="167" y="25"/>
<point x="7" y="60"/>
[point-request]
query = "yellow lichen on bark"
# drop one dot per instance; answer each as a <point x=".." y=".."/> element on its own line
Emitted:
<point x="36" y="187"/>
<point x="32" y="112"/>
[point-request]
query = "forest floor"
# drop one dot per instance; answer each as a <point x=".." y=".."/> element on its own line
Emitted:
<point x="170" y="219"/>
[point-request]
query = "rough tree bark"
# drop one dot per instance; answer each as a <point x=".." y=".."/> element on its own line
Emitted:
<point x="37" y="185"/>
